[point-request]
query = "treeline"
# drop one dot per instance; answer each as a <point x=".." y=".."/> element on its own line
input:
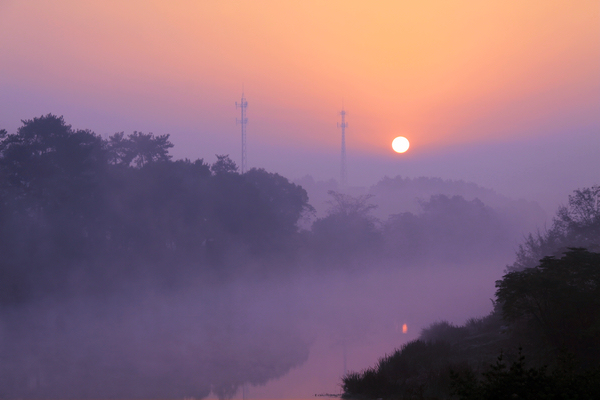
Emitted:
<point x="79" y="212"/>
<point x="447" y="230"/>
<point x="405" y="194"/>
<point x="542" y="340"/>
<point x="82" y="213"/>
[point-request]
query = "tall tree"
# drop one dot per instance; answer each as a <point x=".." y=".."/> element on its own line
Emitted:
<point x="51" y="178"/>
<point x="139" y="148"/>
<point x="349" y="231"/>
<point x="576" y="225"/>
<point x="224" y="165"/>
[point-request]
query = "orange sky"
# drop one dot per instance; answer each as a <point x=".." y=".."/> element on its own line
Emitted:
<point x="438" y="72"/>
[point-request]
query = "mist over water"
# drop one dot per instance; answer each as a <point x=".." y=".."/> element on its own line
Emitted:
<point x="360" y="318"/>
<point x="203" y="338"/>
<point x="151" y="345"/>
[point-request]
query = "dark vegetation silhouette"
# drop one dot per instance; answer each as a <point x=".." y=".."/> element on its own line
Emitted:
<point x="127" y="274"/>
<point x="393" y="195"/>
<point x="447" y="230"/>
<point x="427" y="220"/>
<point x="547" y="314"/>
<point x="576" y="224"/>
<point x="517" y="380"/>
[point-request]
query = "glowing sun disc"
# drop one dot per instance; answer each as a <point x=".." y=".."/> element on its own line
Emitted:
<point x="400" y="144"/>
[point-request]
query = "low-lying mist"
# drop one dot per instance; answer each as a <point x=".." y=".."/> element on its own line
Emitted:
<point x="148" y="343"/>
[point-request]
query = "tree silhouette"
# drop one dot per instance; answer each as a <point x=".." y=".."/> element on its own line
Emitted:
<point x="224" y="165"/>
<point x="576" y="225"/>
<point x="139" y="148"/>
<point x="348" y="231"/>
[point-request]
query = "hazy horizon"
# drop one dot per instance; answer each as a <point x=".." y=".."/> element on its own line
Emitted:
<point x="484" y="92"/>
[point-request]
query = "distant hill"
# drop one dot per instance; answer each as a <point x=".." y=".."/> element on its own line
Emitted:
<point x="400" y="194"/>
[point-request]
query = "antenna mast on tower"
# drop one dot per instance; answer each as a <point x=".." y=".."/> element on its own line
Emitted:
<point x="343" y="125"/>
<point x="243" y="104"/>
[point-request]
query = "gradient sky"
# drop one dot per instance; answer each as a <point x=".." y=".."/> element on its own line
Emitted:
<point x="502" y="93"/>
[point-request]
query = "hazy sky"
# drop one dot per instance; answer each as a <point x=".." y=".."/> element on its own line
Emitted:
<point x="502" y="93"/>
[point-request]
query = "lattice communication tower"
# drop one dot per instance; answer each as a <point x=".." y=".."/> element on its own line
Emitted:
<point x="243" y="104"/>
<point x="343" y="125"/>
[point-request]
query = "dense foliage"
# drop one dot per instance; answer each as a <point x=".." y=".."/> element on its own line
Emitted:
<point x="423" y="368"/>
<point x="551" y="309"/>
<point x="75" y="208"/>
<point x="518" y="381"/>
<point x="556" y="305"/>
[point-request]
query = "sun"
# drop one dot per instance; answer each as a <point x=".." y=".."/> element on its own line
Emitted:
<point x="400" y="144"/>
